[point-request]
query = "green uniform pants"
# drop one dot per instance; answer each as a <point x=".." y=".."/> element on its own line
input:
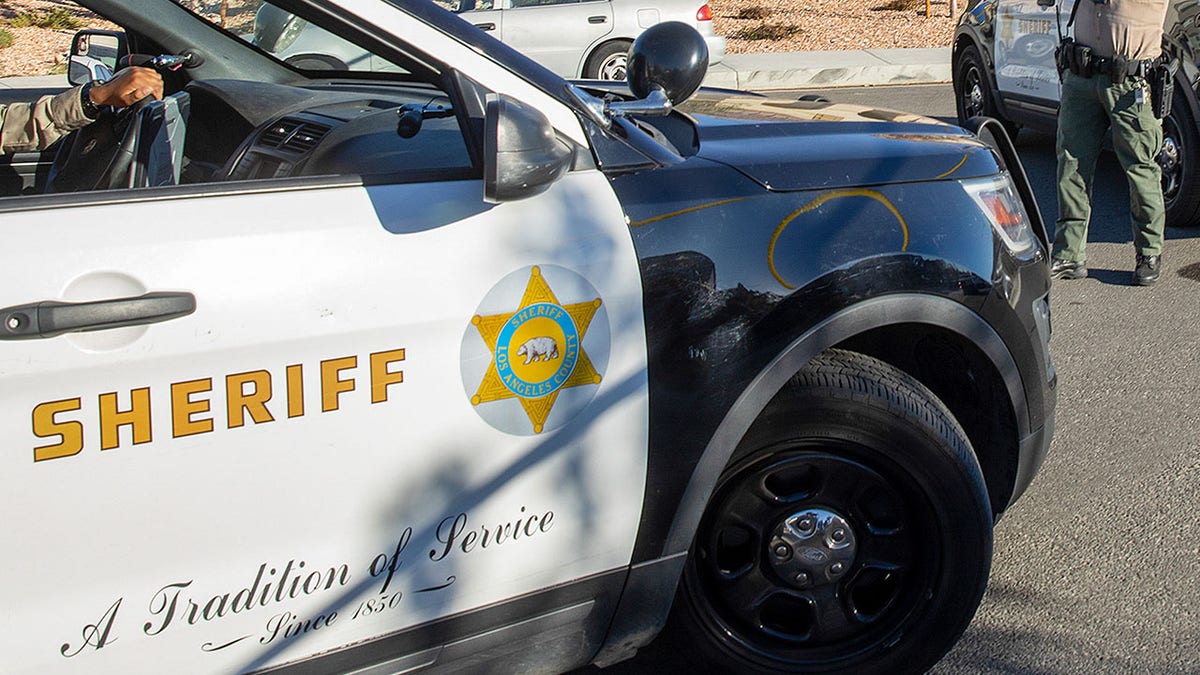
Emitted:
<point x="1090" y="106"/>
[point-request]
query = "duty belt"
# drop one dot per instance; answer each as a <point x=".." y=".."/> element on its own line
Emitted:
<point x="1084" y="63"/>
<point x="1119" y="68"/>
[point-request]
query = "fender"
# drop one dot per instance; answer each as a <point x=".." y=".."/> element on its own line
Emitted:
<point x="874" y="313"/>
<point x="645" y="604"/>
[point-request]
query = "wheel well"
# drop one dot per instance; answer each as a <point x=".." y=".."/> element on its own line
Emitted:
<point x="587" y="61"/>
<point x="993" y="415"/>
<point x="961" y="43"/>
<point x="962" y="376"/>
<point x="613" y="41"/>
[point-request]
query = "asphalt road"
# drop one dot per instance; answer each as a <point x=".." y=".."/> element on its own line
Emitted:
<point x="1097" y="568"/>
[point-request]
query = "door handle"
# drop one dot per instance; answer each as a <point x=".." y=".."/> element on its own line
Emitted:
<point x="597" y="19"/>
<point x="486" y="26"/>
<point x="51" y="318"/>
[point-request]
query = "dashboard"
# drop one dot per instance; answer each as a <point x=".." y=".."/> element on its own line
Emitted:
<point x="242" y="130"/>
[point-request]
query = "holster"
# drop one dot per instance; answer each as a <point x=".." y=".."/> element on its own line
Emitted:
<point x="1162" y="87"/>
<point x="1060" y="54"/>
<point x="1074" y="57"/>
<point x="1118" y="68"/>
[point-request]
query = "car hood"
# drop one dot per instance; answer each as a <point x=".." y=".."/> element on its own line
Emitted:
<point x="802" y="145"/>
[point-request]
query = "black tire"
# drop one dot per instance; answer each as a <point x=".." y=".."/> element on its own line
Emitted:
<point x="973" y="94"/>
<point x="855" y="445"/>
<point x="609" y="61"/>
<point x="318" y="62"/>
<point x="1179" y="159"/>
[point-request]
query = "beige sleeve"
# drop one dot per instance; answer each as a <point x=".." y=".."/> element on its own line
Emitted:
<point x="35" y="126"/>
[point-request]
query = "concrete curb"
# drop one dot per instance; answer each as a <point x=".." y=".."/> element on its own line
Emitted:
<point x="800" y="70"/>
<point x="34" y="82"/>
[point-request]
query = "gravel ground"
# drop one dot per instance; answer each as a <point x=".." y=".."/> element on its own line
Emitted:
<point x="40" y="51"/>
<point x="751" y="26"/>
<point x="830" y="25"/>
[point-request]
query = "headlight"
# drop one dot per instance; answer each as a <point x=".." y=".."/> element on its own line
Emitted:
<point x="997" y="199"/>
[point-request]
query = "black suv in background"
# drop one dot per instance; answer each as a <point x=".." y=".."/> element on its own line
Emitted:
<point x="1003" y="67"/>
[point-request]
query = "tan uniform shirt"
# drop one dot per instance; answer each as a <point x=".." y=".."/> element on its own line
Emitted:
<point x="1129" y="28"/>
<point x="35" y="126"/>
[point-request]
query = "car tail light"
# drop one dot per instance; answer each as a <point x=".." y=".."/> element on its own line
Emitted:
<point x="704" y="13"/>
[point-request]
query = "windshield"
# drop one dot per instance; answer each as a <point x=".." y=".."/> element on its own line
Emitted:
<point x="290" y="38"/>
<point x="318" y="51"/>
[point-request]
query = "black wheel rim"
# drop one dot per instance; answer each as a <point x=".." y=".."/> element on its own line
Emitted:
<point x="971" y="98"/>
<point x="796" y="606"/>
<point x="1170" y="160"/>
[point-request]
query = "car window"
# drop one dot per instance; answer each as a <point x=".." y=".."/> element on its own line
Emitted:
<point x="289" y="38"/>
<point x="409" y="128"/>
<point x="540" y="3"/>
<point x="460" y="6"/>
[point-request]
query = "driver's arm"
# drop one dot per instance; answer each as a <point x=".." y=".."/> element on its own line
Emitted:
<point x="37" y="125"/>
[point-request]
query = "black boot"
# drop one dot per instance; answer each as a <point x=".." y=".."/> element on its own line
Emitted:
<point x="1147" y="270"/>
<point x="1068" y="269"/>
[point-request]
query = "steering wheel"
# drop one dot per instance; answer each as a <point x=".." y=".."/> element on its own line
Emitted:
<point x="98" y="156"/>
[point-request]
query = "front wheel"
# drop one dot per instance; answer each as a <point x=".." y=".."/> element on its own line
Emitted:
<point x="973" y="96"/>
<point x="1179" y="159"/>
<point x="852" y="532"/>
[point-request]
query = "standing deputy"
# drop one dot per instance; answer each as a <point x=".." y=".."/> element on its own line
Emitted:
<point x="1106" y="83"/>
<point x="35" y="126"/>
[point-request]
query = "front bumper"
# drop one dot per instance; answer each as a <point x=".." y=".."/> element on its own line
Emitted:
<point x="1034" y="445"/>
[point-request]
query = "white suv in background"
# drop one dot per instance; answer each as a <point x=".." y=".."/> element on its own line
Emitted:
<point x="589" y="39"/>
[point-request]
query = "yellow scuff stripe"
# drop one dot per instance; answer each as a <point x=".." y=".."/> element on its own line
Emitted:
<point x="690" y="209"/>
<point x="956" y="168"/>
<point x="872" y="194"/>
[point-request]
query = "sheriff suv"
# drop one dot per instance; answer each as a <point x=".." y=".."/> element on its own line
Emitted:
<point x="459" y="366"/>
<point x="1003" y="67"/>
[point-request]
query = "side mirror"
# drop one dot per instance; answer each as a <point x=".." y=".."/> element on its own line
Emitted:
<point x="522" y="154"/>
<point x="667" y="64"/>
<point x="671" y="56"/>
<point x="275" y="30"/>
<point x="94" y="55"/>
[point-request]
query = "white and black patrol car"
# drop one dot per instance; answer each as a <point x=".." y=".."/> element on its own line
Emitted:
<point x="1003" y="67"/>
<point x="459" y="366"/>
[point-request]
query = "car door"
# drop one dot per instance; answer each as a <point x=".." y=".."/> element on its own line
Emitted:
<point x="343" y="410"/>
<point x="487" y="16"/>
<point x="1026" y="37"/>
<point x="557" y="34"/>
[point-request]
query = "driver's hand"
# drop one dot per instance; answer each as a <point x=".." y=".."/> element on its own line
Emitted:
<point x="128" y="87"/>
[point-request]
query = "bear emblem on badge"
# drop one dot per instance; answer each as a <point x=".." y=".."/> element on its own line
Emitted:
<point x="538" y="349"/>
